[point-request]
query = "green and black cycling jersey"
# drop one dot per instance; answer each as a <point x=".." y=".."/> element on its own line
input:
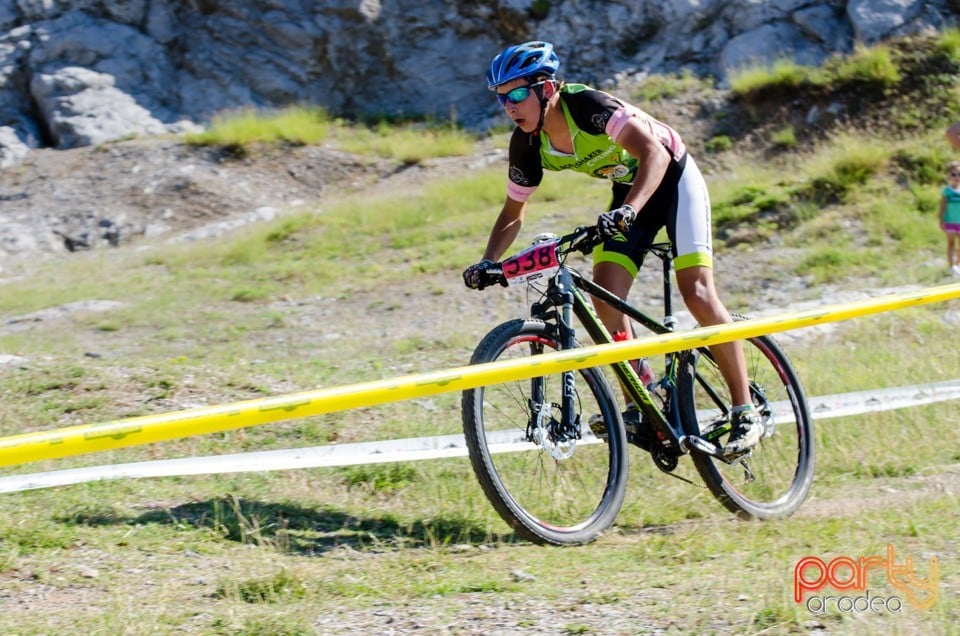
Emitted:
<point x="591" y="116"/>
<point x="596" y="120"/>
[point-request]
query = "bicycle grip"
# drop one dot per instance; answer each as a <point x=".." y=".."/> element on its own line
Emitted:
<point x="492" y="276"/>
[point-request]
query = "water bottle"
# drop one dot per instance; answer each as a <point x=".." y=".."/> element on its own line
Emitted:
<point x="641" y="366"/>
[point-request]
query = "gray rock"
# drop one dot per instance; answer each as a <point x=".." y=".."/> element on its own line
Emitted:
<point x="130" y="12"/>
<point x="825" y="25"/>
<point x="138" y="64"/>
<point x="768" y="43"/>
<point x="148" y="65"/>
<point x="13" y="150"/>
<point x="83" y="108"/>
<point x="9" y="16"/>
<point x="872" y="20"/>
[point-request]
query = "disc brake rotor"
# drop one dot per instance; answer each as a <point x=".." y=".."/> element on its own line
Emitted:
<point x="543" y="435"/>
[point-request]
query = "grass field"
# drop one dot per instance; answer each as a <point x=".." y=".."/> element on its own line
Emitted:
<point x="392" y="546"/>
<point x="312" y="301"/>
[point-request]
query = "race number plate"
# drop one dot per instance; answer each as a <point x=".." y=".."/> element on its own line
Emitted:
<point x="537" y="262"/>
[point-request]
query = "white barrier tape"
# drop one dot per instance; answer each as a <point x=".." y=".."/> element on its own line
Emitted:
<point x="437" y="447"/>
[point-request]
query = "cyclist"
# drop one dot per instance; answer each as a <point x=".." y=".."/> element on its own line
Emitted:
<point x="561" y="126"/>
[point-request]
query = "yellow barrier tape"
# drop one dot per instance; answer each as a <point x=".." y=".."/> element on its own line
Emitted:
<point x="89" y="438"/>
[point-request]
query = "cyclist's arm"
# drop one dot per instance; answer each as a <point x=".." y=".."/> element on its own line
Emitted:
<point x="652" y="157"/>
<point x="506" y="229"/>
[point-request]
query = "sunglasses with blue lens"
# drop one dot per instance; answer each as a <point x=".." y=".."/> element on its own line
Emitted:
<point x="518" y="94"/>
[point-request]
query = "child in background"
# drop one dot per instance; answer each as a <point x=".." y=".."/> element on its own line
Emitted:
<point x="950" y="216"/>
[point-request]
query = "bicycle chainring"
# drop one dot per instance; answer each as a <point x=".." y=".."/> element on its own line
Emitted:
<point x="665" y="459"/>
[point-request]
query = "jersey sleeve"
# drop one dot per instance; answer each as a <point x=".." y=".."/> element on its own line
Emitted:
<point x="526" y="171"/>
<point x="592" y="110"/>
<point x="598" y="113"/>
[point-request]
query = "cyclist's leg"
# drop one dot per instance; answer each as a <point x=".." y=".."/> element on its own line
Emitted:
<point x="617" y="261"/>
<point x="689" y="226"/>
<point x="618" y="280"/>
<point x="701" y="299"/>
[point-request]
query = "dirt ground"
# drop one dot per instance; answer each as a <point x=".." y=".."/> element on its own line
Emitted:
<point x="158" y="189"/>
<point x="126" y="194"/>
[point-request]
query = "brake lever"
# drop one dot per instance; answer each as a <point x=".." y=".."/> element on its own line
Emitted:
<point x="584" y="239"/>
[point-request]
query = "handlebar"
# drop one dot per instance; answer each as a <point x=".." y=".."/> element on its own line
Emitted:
<point x="582" y="239"/>
<point x="586" y="237"/>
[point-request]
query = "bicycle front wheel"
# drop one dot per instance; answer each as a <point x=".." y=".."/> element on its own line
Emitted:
<point x="552" y="484"/>
<point x="775" y="477"/>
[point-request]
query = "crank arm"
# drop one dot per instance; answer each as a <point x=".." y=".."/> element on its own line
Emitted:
<point x="704" y="447"/>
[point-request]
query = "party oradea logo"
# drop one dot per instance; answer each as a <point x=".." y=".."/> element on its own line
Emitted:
<point x="853" y="580"/>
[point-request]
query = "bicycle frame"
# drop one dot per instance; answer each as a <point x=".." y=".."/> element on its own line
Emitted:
<point x="686" y="412"/>
<point x="567" y="293"/>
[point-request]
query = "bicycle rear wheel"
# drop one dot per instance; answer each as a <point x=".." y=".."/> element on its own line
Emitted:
<point x="549" y="486"/>
<point x="775" y="477"/>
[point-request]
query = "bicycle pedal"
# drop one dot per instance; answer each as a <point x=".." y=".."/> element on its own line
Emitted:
<point x="598" y="426"/>
<point x="737" y="456"/>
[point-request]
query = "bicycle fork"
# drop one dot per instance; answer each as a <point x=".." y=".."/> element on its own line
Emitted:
<point x="568" y="406"/>
<point x="543" y="424"/>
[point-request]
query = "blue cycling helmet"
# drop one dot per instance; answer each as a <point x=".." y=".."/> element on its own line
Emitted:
<point x="523" y="60"/>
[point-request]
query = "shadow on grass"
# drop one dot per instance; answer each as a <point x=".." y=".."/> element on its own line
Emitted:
<point x="295" y="529"/>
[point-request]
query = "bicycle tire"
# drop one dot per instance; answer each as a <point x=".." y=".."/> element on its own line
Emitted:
<point x="783" y="462"/>
<point x="545" y="499"/>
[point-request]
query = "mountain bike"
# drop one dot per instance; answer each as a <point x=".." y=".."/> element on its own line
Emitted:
<point x="551" y="452"/>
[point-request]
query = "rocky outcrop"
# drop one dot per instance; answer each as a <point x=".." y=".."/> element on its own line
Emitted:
<point x="82" y="72"/>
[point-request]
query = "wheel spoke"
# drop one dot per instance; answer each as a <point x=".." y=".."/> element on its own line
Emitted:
<point x="559" y="492"/>
<point x="774" y="478"/>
